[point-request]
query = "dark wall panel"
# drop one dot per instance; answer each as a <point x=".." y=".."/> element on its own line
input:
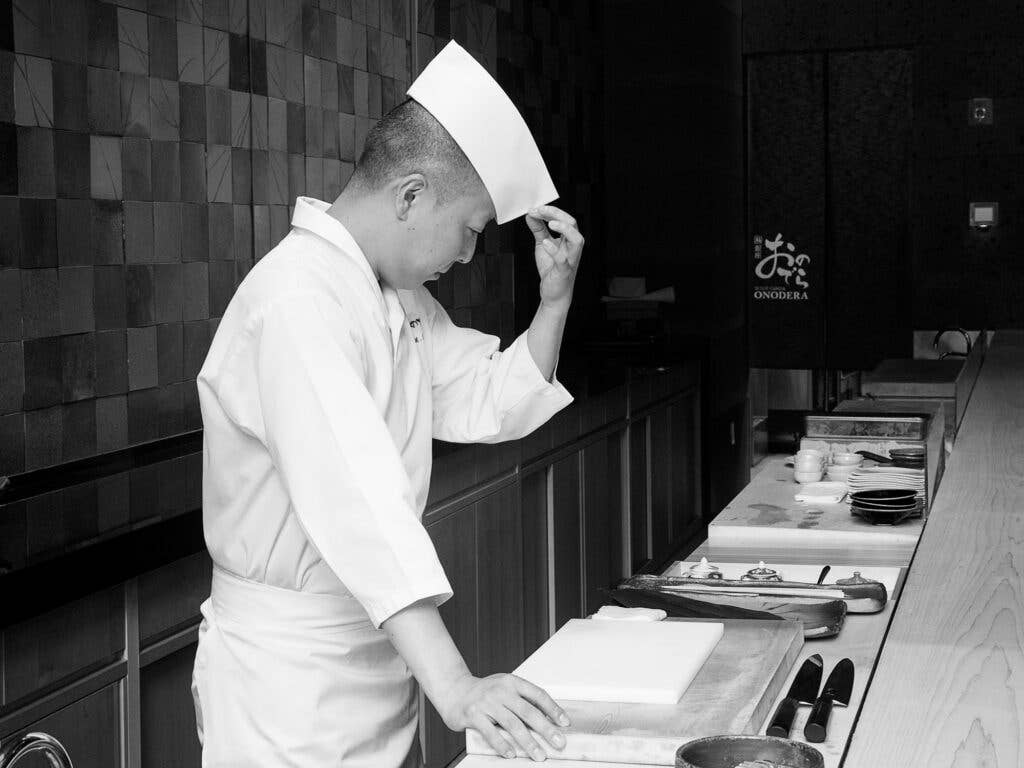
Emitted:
<point x="787" y="210"/>
<point x="869" y="118"/>
<point x="960" y="50"/>
<point x="675" y="178"/>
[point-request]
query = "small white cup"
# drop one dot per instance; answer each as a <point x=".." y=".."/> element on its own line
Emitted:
<point x="809" y="452"/>
<point x="808" y="463"/>
<point x="807" y="477"/>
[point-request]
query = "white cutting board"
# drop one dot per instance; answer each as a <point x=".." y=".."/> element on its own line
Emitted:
<point x="621" y="661"/>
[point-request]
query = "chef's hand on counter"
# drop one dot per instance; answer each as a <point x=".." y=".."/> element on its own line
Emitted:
<point x="558" y="246"/>
<point x="508" y="701"/>
<point x="465" y="701"/>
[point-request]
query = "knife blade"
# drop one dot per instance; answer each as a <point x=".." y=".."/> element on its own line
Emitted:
<point x="838" y="689"/>
<point x="803" y="691"/>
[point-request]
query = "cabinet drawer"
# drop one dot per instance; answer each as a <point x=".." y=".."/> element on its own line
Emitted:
<point x="169" y="597"/>
<point x="63" y="643"/>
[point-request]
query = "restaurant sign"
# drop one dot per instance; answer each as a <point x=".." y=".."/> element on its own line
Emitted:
<point x="780" y="270"/>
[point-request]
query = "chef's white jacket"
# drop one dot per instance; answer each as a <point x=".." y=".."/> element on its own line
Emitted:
<point x="320" y="395"/>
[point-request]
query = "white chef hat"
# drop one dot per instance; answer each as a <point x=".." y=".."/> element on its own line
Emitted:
<point x="484" y="122"/>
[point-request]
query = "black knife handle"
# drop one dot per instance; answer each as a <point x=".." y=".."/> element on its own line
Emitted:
<point x="782" y="721"/>
<point x="817" y="722"/>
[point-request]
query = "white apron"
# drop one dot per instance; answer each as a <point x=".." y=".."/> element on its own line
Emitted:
<point x="332" y="690"/>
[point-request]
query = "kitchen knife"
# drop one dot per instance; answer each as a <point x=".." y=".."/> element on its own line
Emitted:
<point x="838" y="689"/>
<point x="803" y="691"/>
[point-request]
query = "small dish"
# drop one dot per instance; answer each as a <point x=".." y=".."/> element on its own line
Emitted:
<point x="840" y="474"/>
<point x="807" y="477"/>
<point x="847" y="459"/>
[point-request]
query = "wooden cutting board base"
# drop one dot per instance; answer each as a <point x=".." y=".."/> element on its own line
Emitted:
<point x="731" y="694"/>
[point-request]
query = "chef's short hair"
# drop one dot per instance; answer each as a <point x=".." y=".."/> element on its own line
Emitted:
<point x="408" y="139"/>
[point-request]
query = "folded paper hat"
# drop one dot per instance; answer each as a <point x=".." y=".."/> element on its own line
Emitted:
<point x="484" y="122"/>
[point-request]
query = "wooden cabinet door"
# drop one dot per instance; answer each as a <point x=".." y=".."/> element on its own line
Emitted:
<point x="454" y="538"/>
<point x="90" y="730"/>
<point x="168" y="716"/>
<point x="639" y="497"/>
<point x="684" y="423"/>
<point x="566" y="530"/>
<point x="603" y="519"/>
<point x="536" y="605"/>
<point x="500" y="607"/>
<point x="661" y="484"/>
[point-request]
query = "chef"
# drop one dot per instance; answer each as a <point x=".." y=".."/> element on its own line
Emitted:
<point x="330" y="372"/>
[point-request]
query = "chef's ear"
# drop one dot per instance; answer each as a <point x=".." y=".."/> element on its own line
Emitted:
<point x="409" y="190"/>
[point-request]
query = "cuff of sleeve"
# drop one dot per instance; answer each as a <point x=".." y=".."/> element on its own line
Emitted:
<point x="529" y="379"/>
<point x="437" y="590"/>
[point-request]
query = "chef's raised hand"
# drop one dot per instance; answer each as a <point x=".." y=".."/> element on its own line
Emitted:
<point x="558" y="246"/>
<point x="508" y="712"/>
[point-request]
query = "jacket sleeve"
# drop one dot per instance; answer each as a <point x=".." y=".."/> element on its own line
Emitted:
<point x="332" y="448"/>
<point x="481" y="394"/>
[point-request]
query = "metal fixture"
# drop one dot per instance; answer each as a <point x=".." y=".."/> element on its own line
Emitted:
<point x="951" y="353"/>
<point x="761" y="573"/>
<point x="52" y="749"/>
<point x="703" y="570"/>
<point x="984" y="215"/>
<point x="981" y="112"/>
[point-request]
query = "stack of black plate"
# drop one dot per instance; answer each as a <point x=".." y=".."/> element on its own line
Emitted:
<point x="884" y="507"/>
<point x="912" y="458"/>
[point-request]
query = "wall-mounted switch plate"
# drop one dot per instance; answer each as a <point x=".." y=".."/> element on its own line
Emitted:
<point x="981" y="112"/>
<point x="984" y="215"/>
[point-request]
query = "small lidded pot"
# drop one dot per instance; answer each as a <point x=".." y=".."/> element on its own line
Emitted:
<point x="761" y="573"/>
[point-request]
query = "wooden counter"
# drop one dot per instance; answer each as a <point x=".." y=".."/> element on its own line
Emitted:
<point x="949" y="686"/>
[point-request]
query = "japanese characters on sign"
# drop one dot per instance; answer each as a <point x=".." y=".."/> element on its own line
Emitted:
<point x="780" y="270"/>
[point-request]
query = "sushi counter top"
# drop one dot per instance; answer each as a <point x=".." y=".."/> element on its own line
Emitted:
<point x="948" y="685"/>
<point x="938" y="673"/>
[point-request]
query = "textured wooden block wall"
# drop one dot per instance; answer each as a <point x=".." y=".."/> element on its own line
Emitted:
<point x="149" y="153"/>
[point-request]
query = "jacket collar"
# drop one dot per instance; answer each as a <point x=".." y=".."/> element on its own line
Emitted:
<point x="311" y="215"/>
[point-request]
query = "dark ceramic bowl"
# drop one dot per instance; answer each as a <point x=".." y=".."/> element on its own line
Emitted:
<point x="900" y="504"/>
<point x="730" y="751"/>
<point x="893" y="496"/>
<point x="883" y="516"/>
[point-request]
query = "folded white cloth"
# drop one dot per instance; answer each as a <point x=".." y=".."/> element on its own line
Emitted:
<point x="822" y="493"/>
<point x="618" y="613"/>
